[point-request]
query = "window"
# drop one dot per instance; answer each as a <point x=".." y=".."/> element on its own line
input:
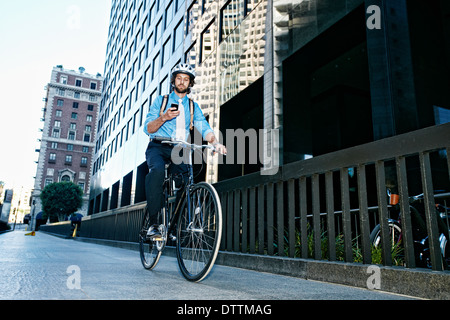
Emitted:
<point x="169" y="14"/>
<point x="90" y="107"/>
<point x="74" y="115"/>
<point x="84" y="161"/>
<point x="149" y="46"/>
<point x="89" y="118"/>
<point x="78" y="82"/>
<point x="71" y="135"/>
<point x="93" y="85"/>
<point x="58" y="113"/>
<point x="137" y="89"/>
<point x="73" y="126"/>
<point x="87" y="128"/>
<point x="48" y="181"/>
<point x="60" y="102"/>
<point x="57" y="124"/>
<point x="85" y="149"/>
<point x="191" y="55"/>
<point x="54" y="145"/>
<point x="69" y="147"/>
<point x="230" y="16"/>
<point x="68" y="159"/>
<point x="76" y="95"/>
<point x="164" y="85"/>
<point x="135" y="68"/>
<point x="61" y="92"/>
<point x="87" y="137"/>
<point x="63" y="79"/>
<point x="158" y="30"/>
<point x="75" y="105"/>
<point x="156" y="66"/>
<point x="55" y="133"/>
<point x="178" y="35"/>
<point x="207" y="42"/>
<point x="166" y="52"/>
<point x="52" y="157"/>
<point x="192" y="16"/>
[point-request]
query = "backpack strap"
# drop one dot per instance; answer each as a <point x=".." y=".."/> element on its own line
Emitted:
<point x="163" y="105"/>
<point x="191" y="105"/>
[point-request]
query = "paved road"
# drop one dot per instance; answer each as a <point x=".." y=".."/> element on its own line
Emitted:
<point x="48" y="267"/>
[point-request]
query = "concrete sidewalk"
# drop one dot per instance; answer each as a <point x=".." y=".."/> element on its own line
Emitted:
<point x="44" y="267"/>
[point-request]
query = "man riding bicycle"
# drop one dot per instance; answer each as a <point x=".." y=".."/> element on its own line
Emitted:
<point x="171" y="116"/>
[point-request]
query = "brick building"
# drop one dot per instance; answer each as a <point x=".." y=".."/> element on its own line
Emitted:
<point x="70" y="117"/>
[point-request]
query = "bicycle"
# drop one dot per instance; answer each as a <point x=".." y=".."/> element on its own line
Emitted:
<point x="195" y="222"/>
<point x="420" y="236"/>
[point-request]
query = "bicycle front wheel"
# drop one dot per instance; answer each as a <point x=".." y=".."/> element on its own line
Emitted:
<point x="148" y="249"/>
<point x="199" y="232"/>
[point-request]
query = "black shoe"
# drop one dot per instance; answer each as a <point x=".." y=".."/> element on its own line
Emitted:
<point x="153" y="232"/>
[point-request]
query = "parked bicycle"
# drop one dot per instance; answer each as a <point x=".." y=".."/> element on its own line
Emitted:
<point x="195" y="222"/>
<point x="419" y="231"/>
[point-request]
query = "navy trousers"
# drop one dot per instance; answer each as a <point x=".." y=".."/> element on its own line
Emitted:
<point x="157" y="156"/>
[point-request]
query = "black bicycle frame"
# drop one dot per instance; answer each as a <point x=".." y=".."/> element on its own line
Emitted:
<point x="184" y="195"/>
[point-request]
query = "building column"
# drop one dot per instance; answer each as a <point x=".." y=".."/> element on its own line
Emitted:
<point x="394" y="108"/>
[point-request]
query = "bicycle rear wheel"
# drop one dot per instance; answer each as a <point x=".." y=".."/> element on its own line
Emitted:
<point x="395" y="237"/>
<point x="149" y="250"/>
<point x="199" y="231"/>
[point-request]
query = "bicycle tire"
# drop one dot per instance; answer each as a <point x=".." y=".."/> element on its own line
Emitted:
<point x="395" y="234"/>
<point x="198" y="241"/>
<point x="375" y="235"/>
<point x="148" y="250"/>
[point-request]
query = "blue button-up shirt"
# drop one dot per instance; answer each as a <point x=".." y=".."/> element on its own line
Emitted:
<point x="168" y="129"/>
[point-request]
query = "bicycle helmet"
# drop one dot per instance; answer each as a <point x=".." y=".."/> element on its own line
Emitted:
<point x="184" y="68"/>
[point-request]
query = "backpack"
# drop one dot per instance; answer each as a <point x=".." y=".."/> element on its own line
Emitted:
<point x="191" y="105"/>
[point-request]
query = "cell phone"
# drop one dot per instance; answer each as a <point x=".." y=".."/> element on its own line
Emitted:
<point x="174" y="105"/>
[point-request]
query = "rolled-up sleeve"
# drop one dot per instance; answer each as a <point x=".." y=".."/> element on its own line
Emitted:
<point x="200" y="122"/>
<point x="153" y="113"/>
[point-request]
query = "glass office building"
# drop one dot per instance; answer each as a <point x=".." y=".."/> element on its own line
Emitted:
<point x="324" y="74"/>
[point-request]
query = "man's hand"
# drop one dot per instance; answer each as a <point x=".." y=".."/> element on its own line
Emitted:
<point x="170" y="114"/>
<point x="220" y="148"/>
<point x="154" y="125"/>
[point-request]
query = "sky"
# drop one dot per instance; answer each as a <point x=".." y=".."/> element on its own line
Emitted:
<point x="35" y="36"/>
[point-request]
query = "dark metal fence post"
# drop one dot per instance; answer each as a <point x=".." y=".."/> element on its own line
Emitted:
<point x="330" y="216"/>
<point x="430" y="211"/>
<point x="407" y="236"/>
<point x="364" y="215"/>
<point x="383" y="213"/>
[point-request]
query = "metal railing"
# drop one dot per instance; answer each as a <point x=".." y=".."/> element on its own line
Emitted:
<point x="321" y="208"/>
<point x="287" y="214"/>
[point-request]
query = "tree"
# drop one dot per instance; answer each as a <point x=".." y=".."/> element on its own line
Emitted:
<point x="60" y="200"/>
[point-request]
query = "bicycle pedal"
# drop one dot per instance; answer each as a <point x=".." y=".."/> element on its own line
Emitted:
<point x="157" y="239"/>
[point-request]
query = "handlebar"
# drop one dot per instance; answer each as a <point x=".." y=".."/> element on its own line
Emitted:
<point x="184" y="144"/>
